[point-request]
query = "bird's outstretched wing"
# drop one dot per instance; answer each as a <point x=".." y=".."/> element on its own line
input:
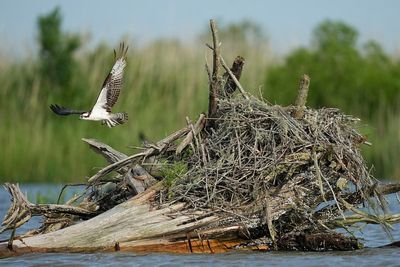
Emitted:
<point x="113" y="83"/>
<point x="59" y="110"/>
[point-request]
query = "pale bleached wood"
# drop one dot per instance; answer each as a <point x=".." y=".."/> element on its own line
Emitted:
<point x="110" y="154"/>
<point x="136" y="225"/>
<point x="120" y="224"/>
<point x="198" y="127"/>
<point x="21" y="209"/>
<point x="158" y="148"/>
<point x="130" y="173"/>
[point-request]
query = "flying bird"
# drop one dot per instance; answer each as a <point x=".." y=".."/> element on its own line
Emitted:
<point x="107" y="98"/>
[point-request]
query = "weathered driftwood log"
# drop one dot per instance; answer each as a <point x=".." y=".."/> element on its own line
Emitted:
<point x="131" y="226"/>
<point x="136" y="226"/>
<point x="154" y="150"/>
<point x="137" y="176"/>
<point x="21" y="210"/>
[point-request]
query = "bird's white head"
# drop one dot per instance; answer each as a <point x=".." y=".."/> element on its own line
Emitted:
<point x="84" y="116"/>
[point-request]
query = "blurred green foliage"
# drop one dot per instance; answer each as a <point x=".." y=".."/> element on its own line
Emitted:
<point x="361" y="81"/>
<point x="358" y="81"/>
<point x="48" y="197"/>
<point x="56" y="52"/>
<point x="165" y="81"/>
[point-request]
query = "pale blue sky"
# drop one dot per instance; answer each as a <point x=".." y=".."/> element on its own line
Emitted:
<point x="287" y="23"/>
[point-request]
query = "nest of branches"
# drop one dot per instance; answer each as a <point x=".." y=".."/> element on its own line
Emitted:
<point x="260" y="152"/>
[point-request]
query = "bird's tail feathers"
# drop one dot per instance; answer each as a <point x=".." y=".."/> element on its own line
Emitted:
<point x="116" y="119"/>
<point x="120" y="117"/>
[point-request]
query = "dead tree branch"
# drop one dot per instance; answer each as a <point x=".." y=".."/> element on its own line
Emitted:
<point x="21" y="210"/>
<point x="198" y="127"/>
<point x="302" y="96"/>
<point x="157" y="149"/>
<point x="131" y="174"/>
<point x="215" y="77"/>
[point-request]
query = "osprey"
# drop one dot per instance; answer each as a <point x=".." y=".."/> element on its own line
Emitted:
<point x="108" y="96"/>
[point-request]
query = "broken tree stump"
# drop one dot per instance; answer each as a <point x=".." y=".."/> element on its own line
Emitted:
<point x="301" y="99"/>
<point x="236" y="69"/>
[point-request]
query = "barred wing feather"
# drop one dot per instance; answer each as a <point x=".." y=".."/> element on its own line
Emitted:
<point x="113" y="83"/>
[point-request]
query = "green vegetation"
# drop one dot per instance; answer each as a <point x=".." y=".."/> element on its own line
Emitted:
<point x="364" y="82"/>
<point x="56" y="52"/>
<point x="166" y="81"/>
<point x="171" y="171"/>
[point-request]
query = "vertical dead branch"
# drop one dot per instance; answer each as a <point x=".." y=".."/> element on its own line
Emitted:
<point x="215" y="79"/>
<point x="302" y="96"/>
<point x="237" y="67"/>
<point x="216" y="50"/>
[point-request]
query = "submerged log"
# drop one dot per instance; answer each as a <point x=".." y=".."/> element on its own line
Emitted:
<point x="318" y="242"/>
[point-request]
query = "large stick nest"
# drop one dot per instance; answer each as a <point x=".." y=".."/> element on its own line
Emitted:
<point x="259" y="153"/>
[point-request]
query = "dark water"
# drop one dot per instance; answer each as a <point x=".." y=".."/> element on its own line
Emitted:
<point x="373" y="237"/>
